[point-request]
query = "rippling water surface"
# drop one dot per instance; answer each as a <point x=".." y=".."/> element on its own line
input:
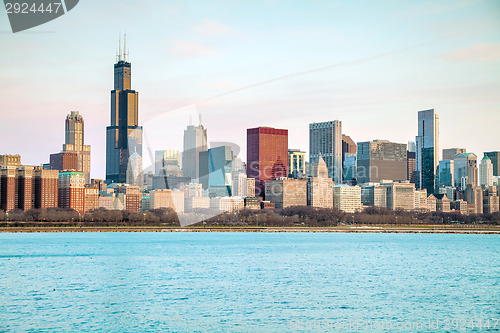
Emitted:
<point x="248" y="282"/>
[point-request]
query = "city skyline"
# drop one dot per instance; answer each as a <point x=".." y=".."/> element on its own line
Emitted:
<point x="381" y="83"/>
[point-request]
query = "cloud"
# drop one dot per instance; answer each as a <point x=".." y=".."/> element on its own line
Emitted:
<point x="476" y="53"/>
<point x="190" y="49"/>
<point x="210" y="27"/>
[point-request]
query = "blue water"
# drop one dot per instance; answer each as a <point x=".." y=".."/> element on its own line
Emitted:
<point x="248" y="282"/>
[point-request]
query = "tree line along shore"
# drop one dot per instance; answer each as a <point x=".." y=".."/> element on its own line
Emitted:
<point x="298" y="216"/>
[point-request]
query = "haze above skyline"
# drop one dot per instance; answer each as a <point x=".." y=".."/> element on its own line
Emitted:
<point x="373" y="67"/>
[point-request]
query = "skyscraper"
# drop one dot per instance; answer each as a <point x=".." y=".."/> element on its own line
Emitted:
<point x="486" y="172"/>
<point x="267" y="155"/>
<point x="427" y="154"/>
<point x="465" y="170"/>
<point x="446" y="173"/>
<point x="74" y="142"/>
<point x="215" y="163"/>
<point x="195" y="141"/>
<point x="381" y="159"/>
<point x="124" y="135"/>
<point x="495" y="160"/>
<point x="319" y="186"/>
<point x="326" y="139"/>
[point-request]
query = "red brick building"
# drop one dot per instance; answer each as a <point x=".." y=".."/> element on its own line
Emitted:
<point x="24" y="187"/>
<point x="91" y="198"/>
<point x="267" y="155"/>
<point x="46" y="188"/>
<point x="72" y="190"/>
<point x="7" y="188"/>
<point x="64" y="161"/>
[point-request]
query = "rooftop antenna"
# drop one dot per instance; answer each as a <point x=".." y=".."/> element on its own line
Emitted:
<point x="124" y="47"/>
<point x="120" y="47"/>
<point x="199" y="118"/>
<point x="190" y="120"/>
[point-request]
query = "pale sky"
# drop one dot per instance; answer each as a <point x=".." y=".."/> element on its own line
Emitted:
<point x="372" y="65"/>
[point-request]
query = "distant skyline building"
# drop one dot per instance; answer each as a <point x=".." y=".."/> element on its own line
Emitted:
<point x="65" y="160"/>
<point x="381" y="160"/>
<point x="135" y="174"/>
<point x="72" y="190"/>
<point x="325" y="138"/>
<point x="46" y="188"/>
<point x="449" y="153"/>
<point x="486" y="172"/>
<point x="411" y="166"/>
<point x="465" y="170"/>
<point x="124" y="135"/>
<point x="319" y="186"/>
<point x="74" y="142"/>
<point x="427" y="150"/>
<point x="446" y="172"/>
<point x="494" y="156"/>
<point x="8" y="188"/>
<point x="10" y="160"/>
<point x="168" y="162"/>
<point x="297" y="162"/>
<point x="195" y="141"/>
<point x="267" y="155"/>
<point x="347" y="198"/>
<point x="216" y="168"/>
<point x="349" y="158"/>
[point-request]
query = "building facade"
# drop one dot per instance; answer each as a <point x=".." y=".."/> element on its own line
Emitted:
<point x="465" y="170"/>
<point x="195" y="141"/>
<point x="347" y="198"/>
<point x="267" y="155"/>
<point x="449" y="153"/>
<point x="74" y="142"/>
<point x="66" y="160"/>
<point x="46" y="190"/>
<point x="10" y="160"/>
<point x="494" y="156"/>
<point x="381" y="159"/>
<point x="427" y="150"/>
<point x="446" y="172"/>
<point x="400" y="196"/>
<point x="286" y="192"/>
<point x="486" y="172"/>
<point x="297" y="163"/>
<point x="319" y="186"/>
<point x="326" y="139"/>
<point x="72" y="190"/>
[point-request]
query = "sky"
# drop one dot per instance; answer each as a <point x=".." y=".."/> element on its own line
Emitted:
<point x="242" y="64"/>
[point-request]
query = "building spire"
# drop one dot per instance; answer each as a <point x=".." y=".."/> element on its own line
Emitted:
<point x="119" y="46"/>
<point x="125" y="47"/>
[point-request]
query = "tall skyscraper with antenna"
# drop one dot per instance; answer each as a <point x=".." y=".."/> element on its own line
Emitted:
<point x="124" y="135"/>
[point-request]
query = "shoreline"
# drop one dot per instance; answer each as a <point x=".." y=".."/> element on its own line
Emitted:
<point x="426" y="229"/>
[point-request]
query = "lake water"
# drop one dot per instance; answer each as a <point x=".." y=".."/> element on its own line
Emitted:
<point x="249" y="282"/>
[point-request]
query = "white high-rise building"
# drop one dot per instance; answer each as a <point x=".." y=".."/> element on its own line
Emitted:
<point x="486" y="172"/>
<point x="135" y="174"/>
<point x="195" y="141"/>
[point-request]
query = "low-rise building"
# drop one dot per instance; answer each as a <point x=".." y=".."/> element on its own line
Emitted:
<point x="286" y="192"/>
<point x="347" y="198"/>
